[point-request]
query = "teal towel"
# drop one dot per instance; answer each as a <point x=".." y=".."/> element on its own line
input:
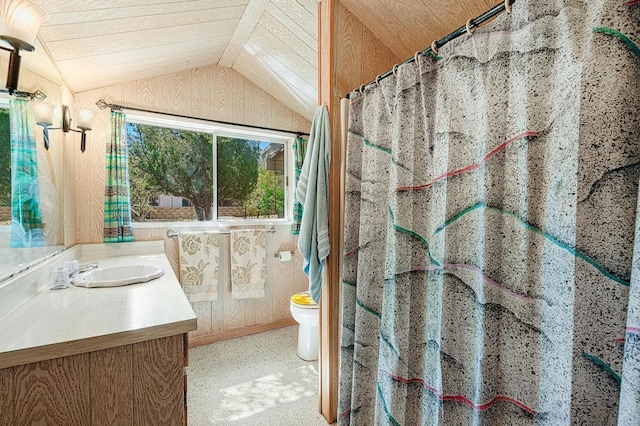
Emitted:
<point x="312" y="193"/>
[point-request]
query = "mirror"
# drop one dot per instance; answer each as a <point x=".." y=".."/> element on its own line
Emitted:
<point x="50" y="179"/>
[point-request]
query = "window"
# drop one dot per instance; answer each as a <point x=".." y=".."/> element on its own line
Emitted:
<point x="184" y="171"/>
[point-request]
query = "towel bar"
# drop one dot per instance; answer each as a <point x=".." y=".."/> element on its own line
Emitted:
<point x="172" y="233"/>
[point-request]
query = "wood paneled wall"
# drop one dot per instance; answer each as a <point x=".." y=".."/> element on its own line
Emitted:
<point x="359" y="56"/>
<point x="408" y="26"/>
<point x="138" y="384"/>
<point x="350" y="55"/>
<point x="212" y="92"/>
<point x="215" y="93"/>
<point x="227" y="318"/>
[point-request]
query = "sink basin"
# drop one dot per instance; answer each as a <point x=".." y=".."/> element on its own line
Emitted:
<point x="115" y="276"/>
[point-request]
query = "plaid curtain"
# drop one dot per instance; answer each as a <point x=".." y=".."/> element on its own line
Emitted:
<point x="117" y="204"/>
<point x="299" y="150"/>
<point x="26" y="218"/>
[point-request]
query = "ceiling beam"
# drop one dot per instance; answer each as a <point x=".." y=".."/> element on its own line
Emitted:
<point x="245" y="27"/>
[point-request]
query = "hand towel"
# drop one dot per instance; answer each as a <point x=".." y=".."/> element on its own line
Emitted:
<point x="313" y="193"/>
<point x="248" y="263"/>
<point x="199" y="265"/>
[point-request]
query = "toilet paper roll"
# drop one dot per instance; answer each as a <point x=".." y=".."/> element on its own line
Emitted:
<point x="285" y="256"/>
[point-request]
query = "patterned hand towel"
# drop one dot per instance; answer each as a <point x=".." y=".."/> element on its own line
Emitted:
<point x="248" y="266"/>
<point x="199" y="265"/>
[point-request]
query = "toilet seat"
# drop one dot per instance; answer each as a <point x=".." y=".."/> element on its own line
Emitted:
<point x="303" y="301"/>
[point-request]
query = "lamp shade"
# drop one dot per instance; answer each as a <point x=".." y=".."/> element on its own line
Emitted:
<point x="20" y="21"/>
<point x="43" y="112"/>
<point x="84" y="118"/>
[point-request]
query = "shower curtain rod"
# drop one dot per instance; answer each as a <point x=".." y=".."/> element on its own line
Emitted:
<point x="496" y="10"/>
<point x="102" y="104"/>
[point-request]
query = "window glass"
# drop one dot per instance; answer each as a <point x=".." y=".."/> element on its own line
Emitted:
<point x="250" y="178"/>
<point x="173" y="176"/>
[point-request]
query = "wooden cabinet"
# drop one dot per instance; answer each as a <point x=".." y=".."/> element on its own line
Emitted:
<point x="137" y="384"/>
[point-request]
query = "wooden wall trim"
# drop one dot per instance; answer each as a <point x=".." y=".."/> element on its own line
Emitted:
<point x="330" y="300"/>
<point x="240" y="332"/>
<point x="247" y="24"/>
<point x="349" y="55"/>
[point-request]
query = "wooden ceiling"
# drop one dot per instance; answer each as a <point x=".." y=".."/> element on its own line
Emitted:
<point x="97" y="43"/>
<point x="406" y="26"/>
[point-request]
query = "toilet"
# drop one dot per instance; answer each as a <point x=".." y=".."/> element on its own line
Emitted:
<point x="305" y="311"/>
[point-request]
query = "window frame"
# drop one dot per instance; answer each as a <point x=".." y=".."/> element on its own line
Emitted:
<point x="224" y="130"/>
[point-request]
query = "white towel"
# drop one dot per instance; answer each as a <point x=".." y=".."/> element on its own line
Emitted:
<point x="248" y="263"/>
<point x="199" y="265"/>
<point x="313" y="193"/>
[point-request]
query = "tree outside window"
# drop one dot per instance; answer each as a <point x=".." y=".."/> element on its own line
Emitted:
<point x="171" y="175"/>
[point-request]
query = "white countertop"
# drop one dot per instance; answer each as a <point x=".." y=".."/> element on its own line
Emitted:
<point x="55" y="323"/>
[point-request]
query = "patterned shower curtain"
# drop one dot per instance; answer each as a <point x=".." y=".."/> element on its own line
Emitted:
<point x="26" y="216"/>
<point x="117" y="204"/>
<point x="492" y="241"/>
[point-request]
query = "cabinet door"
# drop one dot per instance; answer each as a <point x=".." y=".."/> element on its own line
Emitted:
<point x="111" y="386"/>
<point x="53" y="392"/>
<point x="6" y="396"/>
<point x="158" y="384"/>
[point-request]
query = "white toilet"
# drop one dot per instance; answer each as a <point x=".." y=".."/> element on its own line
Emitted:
<point x="305" y="311"/>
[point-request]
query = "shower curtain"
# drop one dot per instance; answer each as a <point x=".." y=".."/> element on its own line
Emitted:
<point x="492" y="241"/>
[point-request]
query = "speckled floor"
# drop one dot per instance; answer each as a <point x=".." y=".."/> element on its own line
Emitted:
<point x="253" y="380"/>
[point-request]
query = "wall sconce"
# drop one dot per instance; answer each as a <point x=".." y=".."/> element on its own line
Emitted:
<point x="84" y="117"/>
<point x="19" y="24"/>
<point x="44" y="117"/>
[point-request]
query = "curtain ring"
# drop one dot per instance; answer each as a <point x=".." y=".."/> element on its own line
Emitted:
<point x="415" y="57"/>
<point x="469" y="30"/>
<point x="378" y="80"/>
<point x="434" y="48"/>
<point x="507" y="6"/>
<point x="361" y="89"/>
<point x="394" y="70"/>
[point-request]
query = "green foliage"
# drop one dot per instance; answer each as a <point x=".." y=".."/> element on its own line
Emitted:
<point x="237" y="169"/>
<point x="5" y="159"/>
<point x="268" y="197"/>
<point x="170" y="161"/>
<point x="180" y="163"/>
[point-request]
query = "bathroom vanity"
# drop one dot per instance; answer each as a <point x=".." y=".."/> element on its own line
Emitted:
<point x="95" y="356"/>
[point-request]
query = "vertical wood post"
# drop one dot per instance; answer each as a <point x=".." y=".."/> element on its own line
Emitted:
<point x="330" y="301"/>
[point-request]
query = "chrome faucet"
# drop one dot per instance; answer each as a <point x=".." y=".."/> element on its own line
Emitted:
<point x="83" y="268"/>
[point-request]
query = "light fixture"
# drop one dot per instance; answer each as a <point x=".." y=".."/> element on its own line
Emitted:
<point x="44" y="117"/>
<point x="19" y="24"/>
<point x="84" y="118"/>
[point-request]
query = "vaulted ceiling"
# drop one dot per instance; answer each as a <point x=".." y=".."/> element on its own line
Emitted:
<point x="96" y="43"/>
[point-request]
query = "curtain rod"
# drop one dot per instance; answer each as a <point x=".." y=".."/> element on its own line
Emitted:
<point x="102" y="104"/>
<point x="496" y="10"/>
<point x="38" y="95"/>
